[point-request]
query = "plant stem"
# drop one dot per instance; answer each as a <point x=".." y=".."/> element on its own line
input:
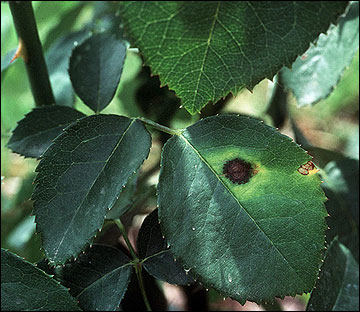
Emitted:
<point x="26" y="29"/>
<point x="138" y="269"/>
<point x="159" y="127"/>
<point x="137" y="263"/>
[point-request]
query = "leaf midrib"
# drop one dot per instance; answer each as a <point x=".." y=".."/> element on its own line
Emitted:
<point x="206" y="51"/>
<point x="240" y="205"/>
<point x="91" y="187"/>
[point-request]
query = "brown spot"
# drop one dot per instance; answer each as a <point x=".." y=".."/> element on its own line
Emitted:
<point x="304" y="169"/>
<point x="238" y="171"/>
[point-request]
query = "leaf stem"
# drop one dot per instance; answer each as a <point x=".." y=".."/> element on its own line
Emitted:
<point x="30" y="50"/>
<point x="126" y="238"/>
<point x="138" y="269"/>
<point x="136" y="263"/>
<point x="159" y="127"/>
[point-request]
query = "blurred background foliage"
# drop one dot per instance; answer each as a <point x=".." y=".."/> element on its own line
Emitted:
<point x="332" y="124"/>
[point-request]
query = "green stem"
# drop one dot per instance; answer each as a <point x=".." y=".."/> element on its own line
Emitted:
<point x="138" y="269"/>
<point x="159" y="127"/>
<point x="137" y="263"/>
<point x="126" y="238"/>
<point x="26" y="29"/>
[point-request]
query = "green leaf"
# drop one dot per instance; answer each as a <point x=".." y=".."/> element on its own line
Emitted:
<point x="204" y="50"/>
<point x="250" y="241"/>
<point x="39" y="128"/>
<point x="338" y="286"/>
<point x="95" y="69"/>
<point x="67" y="19"/>
<point x="81" y="175"/>
<point x="341" y="186"/>
<point x="315" y="74"/>
<point x="26" y="288"/>
<point x="57" y="61"/>
<point x="5" y="60"/>
<point x="98" y="278"/>
<point x="125" y="201"/>
<point x="158" y="259"/>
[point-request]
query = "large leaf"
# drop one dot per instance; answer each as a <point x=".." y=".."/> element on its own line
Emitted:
<point x="315" y="74"/>
<point x="157" y="257"/>
<point x="39" y="128"/>
<point x="98" y="278"/>
<point x="204" y="50"/>
<point x="95" y="69"/>
<point x="251" y="241"/>
<point x="338" y="285"/>
<point x="80" y="176"/>
<point x="26" y="288"/>
<point x="125" y="201"/>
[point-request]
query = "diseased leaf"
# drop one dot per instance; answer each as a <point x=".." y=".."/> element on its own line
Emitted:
<point x="159" y="261"/>
<point x="204" y="50"/>
<point x="314" y="75"/>
<point x="95" y="69"/>
<point x="258" y="237"/>
<point x="26" y="288"/>
<point x="98" y="278"/>
<point x="81" y="175"/>
<point x="338" y="286"/>
<point x="39" y="128"/>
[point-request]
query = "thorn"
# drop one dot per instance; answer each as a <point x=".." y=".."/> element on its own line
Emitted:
<point x="20" y="52"/>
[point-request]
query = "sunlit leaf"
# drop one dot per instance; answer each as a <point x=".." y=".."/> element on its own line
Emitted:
<point x="204" y="50"/>
<point x="314" y="75"/>
<point x="254" y="240"/>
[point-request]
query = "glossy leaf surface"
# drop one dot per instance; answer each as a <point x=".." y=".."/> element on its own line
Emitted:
<point x="314" y="75"/>
<point x="204" y="50"/>
<point x="80" y="176"/>
<point x="250" y="241"/>
<point x="95" y="69"/>
<point x="39" y="128"/>
<point x="27" y="288"/>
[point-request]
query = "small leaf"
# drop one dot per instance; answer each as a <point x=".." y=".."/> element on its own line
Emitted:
<point x="80" y="176"/>
<point x="338" y="286"/>
<point x="250" y="240"/>
<point x="158" y="259"/>
<point x="98" y="278"/>
<point x="95" y="69"/>
<point x="6" y="60"/>
<point x="57" y="61"/>
<point x="315" y="74"/>
<point x="39" y="128"/>
<point x="26" y="288"/>
<point x="204" y="50"/>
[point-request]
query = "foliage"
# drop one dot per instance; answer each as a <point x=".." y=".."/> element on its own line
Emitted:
<point x="231" y="203"/>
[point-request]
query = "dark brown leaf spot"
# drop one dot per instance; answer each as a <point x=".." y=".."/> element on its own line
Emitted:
<point x="238" y="171"/>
